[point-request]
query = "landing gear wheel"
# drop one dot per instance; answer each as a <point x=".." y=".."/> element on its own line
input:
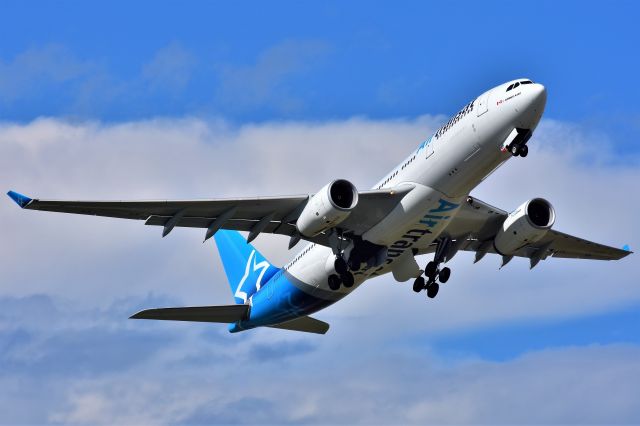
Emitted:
<point x="340" y="265"/>
<point x="347" y="279"/>
<point x="418" y="284"/>
<point x="432" y="290"/>
<point x="431" y="269"/>
<point x="444" y="275"/>
<point x="334" y="282"/>
<point x="524" y="150"/>
<point x="515" y="150"/>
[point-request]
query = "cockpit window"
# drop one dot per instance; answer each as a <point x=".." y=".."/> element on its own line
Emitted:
<point x="518" y="83"/>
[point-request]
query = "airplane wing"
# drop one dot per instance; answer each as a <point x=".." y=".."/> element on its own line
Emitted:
<point x="477" y="223"/>
<point x="275" y="215"/>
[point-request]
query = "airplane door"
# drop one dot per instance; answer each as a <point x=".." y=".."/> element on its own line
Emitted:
<point x="483" y="104"/>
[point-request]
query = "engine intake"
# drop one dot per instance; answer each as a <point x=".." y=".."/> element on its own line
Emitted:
<point x="540" y="213"/>
<point x="525" y="225"/>
<point x="327" y="208"/>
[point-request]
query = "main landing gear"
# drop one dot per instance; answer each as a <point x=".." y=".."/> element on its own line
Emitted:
<point x="433" y="272"/>
<point x="342" y="277"/>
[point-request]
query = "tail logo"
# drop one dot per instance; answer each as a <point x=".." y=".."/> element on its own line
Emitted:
<point x="262" y="267"/>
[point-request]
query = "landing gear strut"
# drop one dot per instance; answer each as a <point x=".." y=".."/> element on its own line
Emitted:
<point x="433" y="272"/>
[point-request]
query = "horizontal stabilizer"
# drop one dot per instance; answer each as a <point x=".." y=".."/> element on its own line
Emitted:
<point x="225" y="314"/>
<point x="306" y="324"/>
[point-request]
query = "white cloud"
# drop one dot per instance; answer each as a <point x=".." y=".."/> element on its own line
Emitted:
<point x="96" y="260"/>
<point x="570" y="385"/>
<point x="195" y="374"/>
<point x="94" y="366"/>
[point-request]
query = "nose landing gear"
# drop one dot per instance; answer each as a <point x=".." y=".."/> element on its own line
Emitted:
<point x="519" y="150"/>
<point x="518" y="146"/>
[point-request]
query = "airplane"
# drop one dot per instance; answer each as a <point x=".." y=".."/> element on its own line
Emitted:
<point x="422" y="206"/>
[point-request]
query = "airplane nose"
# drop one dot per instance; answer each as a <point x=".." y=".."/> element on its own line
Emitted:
<point x="532" y="106"/>
<point x="538" y="96"/>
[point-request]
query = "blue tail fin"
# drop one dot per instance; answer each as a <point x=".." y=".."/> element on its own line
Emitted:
<point x="247" y="270"/>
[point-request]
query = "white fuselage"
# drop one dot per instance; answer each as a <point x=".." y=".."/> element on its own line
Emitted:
<point x="444" y="169"/>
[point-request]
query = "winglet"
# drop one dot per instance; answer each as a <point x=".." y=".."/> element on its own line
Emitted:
<point x="21" y="200"/>
<point x="626" y="247"/>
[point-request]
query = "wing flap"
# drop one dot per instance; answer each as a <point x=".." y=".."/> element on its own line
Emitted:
<point x="481" y="221"/>
<point x="567" y="246"/>
<point x="273" y="227"/>
<point x="222" y="314"/>
<point x="304" y="324"/>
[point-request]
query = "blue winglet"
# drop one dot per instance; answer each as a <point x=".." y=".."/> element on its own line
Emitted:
<point x="21" y="200"/>
<point x="626" y="247"/>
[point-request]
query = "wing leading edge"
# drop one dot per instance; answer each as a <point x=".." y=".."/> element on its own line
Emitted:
<point x="476" y="225"/>
<point x="275" y="215"/>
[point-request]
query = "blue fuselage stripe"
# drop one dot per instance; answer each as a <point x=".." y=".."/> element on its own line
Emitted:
<point x="281" y="299"/>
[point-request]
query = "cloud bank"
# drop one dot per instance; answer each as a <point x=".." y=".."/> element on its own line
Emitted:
<point x="69" y="282"/>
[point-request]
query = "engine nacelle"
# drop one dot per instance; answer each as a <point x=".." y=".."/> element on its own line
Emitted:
<point x="327" y="208"/>
<point x="525" y="225"/>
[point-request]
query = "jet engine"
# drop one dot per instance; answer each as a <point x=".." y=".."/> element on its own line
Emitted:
<point x="327" y="208"/>
<point x="525" y="225"/>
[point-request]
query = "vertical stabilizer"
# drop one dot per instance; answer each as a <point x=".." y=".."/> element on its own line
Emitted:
<point x="247" y="270"/>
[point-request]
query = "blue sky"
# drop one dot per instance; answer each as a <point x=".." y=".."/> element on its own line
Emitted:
<point x="360" y="58"/>
<point x="165" y="100"/>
